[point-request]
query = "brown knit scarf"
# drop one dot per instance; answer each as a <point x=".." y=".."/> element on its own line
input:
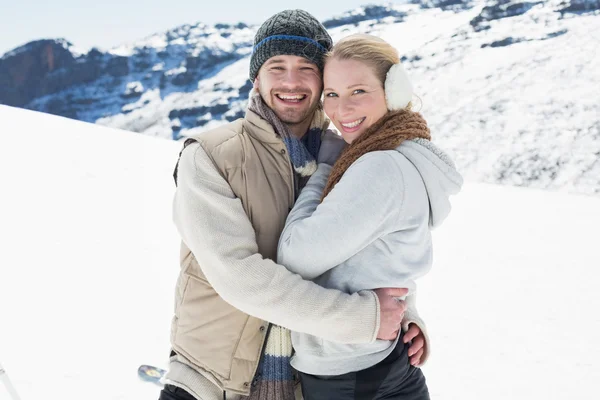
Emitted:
<point x="385" y="134"/>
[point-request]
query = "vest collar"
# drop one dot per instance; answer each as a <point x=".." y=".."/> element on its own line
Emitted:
<point x="260" y="129"/>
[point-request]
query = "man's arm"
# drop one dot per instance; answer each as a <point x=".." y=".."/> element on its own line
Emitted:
<point x="213" y="224"/>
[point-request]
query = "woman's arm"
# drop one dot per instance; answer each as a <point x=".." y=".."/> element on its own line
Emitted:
<point x="363" y="206"/>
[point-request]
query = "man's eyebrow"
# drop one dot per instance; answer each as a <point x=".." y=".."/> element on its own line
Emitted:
<point x="274" y="61"/>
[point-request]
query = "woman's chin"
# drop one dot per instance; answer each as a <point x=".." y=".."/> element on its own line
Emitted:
<point x="350" y="137"/>
<point x="347" y="139"/>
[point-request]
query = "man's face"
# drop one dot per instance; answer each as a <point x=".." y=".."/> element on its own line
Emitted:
<point x="291" y="86"/>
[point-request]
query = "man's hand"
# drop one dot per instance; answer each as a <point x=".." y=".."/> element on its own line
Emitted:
<point x="332" y="146"/>
<point x="417" y="347"/>
<point x="391" y="312"/>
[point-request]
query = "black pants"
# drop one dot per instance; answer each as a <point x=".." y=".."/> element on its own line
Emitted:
<point x="171" y="392"/>
<point x="393" y="378"/>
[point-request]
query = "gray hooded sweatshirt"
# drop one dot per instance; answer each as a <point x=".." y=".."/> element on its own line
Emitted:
<point x="372" y="230"/>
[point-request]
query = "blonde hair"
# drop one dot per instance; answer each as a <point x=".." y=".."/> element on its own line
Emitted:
<point x="372" y="51"/>
<point x="369" y="49"/>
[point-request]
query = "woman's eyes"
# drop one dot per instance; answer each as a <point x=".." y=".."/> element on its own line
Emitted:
<point x="356" y="91"/>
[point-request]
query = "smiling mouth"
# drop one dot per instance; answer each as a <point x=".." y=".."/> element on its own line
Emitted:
<point x="291" y="98"/>
<point x="351" y="126"/>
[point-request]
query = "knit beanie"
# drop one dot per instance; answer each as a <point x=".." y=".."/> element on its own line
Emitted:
<point x="290" y="32"/>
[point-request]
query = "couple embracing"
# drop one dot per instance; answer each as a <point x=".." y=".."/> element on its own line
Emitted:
<point x="301" y="246"/>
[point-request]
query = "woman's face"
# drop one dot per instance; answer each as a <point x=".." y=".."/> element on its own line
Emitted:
<point x="354" y="97"/>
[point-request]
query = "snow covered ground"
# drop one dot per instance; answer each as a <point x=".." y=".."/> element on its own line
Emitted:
<point x="90" y="257"/>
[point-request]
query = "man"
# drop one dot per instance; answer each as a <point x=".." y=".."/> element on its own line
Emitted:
<point x="235" y="187"/>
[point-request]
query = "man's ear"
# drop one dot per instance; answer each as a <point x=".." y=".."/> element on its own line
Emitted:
<point x="255" y="84"/>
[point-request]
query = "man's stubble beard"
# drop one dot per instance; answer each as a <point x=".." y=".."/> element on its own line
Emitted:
<point x="292" y="117"/>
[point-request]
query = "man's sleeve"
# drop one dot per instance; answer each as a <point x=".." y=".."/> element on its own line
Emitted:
<point x="213" y="224"/>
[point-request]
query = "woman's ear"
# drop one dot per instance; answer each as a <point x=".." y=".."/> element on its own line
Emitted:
<point x="398" y="88"/>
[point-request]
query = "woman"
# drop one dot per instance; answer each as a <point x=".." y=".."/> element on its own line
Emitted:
<point x="375" y="207"/>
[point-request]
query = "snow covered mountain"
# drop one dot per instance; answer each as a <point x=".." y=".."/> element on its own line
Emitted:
<point x="510" y="88"/>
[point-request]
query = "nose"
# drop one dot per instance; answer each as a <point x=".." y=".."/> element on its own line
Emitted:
<point x="291" y="78"/>
<point x="345" y="108"/>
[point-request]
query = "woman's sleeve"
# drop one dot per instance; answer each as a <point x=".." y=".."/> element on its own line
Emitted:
<point x="363" y="206"/>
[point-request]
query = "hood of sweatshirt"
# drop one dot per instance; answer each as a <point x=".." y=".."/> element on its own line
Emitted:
<point x="439" y="175"/>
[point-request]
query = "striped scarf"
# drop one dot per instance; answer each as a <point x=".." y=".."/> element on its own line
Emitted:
<point x="274" y="379"/>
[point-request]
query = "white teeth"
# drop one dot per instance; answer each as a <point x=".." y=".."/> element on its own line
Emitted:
<point x="296" y="97"/>
<point x="354" y="124"/>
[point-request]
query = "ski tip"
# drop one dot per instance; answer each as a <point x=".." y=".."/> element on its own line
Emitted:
<point x="150" y="373"/>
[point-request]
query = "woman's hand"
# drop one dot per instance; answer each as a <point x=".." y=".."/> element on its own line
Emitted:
<point x="332" y="146"/>
<point x="417" y="347"/>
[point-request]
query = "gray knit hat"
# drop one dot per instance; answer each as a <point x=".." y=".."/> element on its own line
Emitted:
<point x="290" y="32"/>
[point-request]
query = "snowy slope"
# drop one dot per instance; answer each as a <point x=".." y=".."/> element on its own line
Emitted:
<point x="90" y="259"/>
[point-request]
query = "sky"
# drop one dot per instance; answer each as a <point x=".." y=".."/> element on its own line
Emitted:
<point x="90" y="258"/>
<point x="112" y="22"/>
